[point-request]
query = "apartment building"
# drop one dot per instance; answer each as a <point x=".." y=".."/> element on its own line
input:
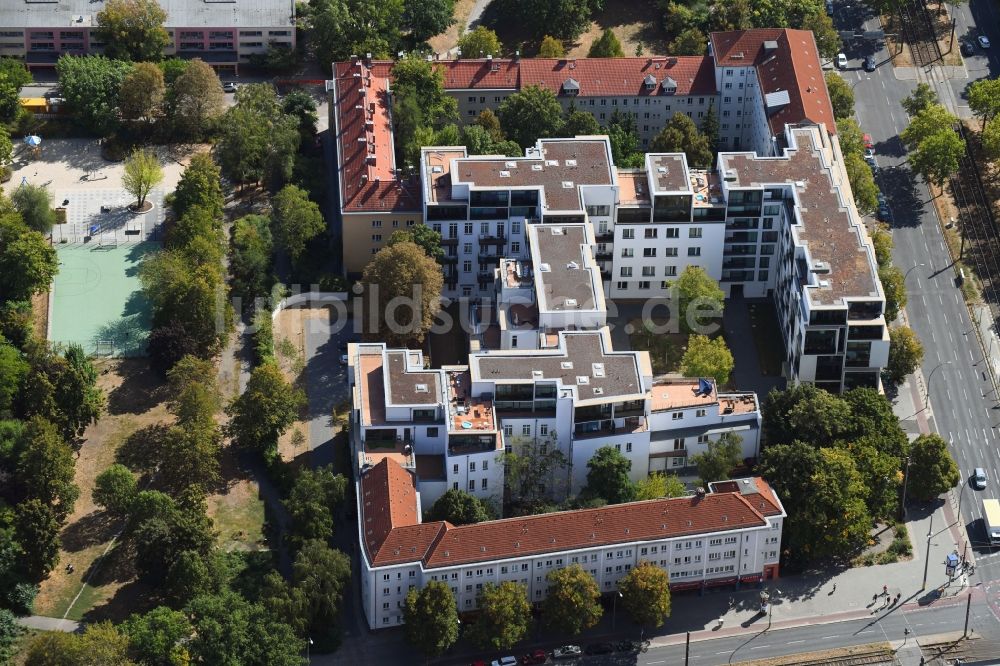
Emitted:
<point x="375" y="200"/>
<point x="223" y="34"/>
<point x="814" y="257"/>
<point x="730" y="535"/>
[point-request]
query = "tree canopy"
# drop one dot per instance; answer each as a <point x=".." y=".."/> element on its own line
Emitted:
<point x="699" y="300"/>
<point x="707" y="357"/>
<point x="142" y="174"/>
<point x="922" y="97"/>
<point x="296" y="221"/>
<point x="645" y="594"/>
<point x="723" y="454"/>
<point x="196" y="100"/>
<point x="431" y="618"/>
<point x="565" y="19"/>
<point x="314" y="496"/>
<point x="132" y="29"/>
<point x="264" y="410"/>
<point x="658" y="485"/>
<point x="479" y="43"/>
<point x="341" y="28"/>
<point x="606" y="46"/>
<point x="551" y="47"/>
<point x="528" y="115"/>
<point x="459" y="508"/>
<point x="608" y="476"/>
<point x="403" y="272"/>
<point x="905" y="354"/>
<point x="504" y="616"/>
<point x="34" y="203"/>
<point x="932" y="469"/>
<point x="426" y="18"/>
<point x="142" y="93"/>
<point x="984" y="98"/>
<point x="862" y="181"/>
<point x="91" y="86"/>
<point x="841" y="95"/>
<point x="681" y="135"/>
<point x="894" y="286"/>
<point x="573" y="604"/>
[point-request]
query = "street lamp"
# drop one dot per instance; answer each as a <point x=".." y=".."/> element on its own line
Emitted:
<point x="927" y="397"/>
<point x="614" y="610"/>
<point x="906" y="478"/>
<point x="907" y="273"/>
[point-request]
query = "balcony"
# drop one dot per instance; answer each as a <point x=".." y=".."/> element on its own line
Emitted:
<point x="452" y="242"/>
<point x="485" y="276"/>
<point x="603" y="256"/>
<point x="606" y="428"/>
<point x="604" y="237"/>
<point x="492" y="240"/>
<point x="449" y="259"/>
<point x="743" y="262"/>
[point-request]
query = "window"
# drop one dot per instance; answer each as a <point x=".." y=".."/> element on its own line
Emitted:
<point x="628" y="447"/>
<point x="515" y="247"/>
<point x="648" y="271"/>
<point x="703" y="439"/>
<point x="628" y="234"/>
<point x="670" y="271"/>
<point x="515" y="227"/>
<point x="484" y="228"/>
<point x="432" y="432"/>
<point x="526" y="429"/>
<point x="466" y="266"/>
<point x="700" y="412"/>
<point x="672" y="232"/>
<point x="626" y="271"/>
<point x="676" y="416"/>
<point x="649" y="251"/>
<point x="644" y="284"/>
<point x="627" y="252"/>
<point x="483" y="484"/>
<point x="508" y="430"/>
<point x="622" y="285"/>
<point x="376" y="224"/>
<point x="472" y="466"/>
<point x="650" y="233"/>
<point x="468" y="228"/>
<point x="712" y="557"/>
<point x="543" y="429"/>
<point x="513" y="341"/>
<point x="715" y="542"/>
<point x="455" y="485"/>
<point x="694" y="251"/>
<point x="731" y="539"/>
<point x="486" y="465"/>
<point x="472" y="484"/>
<point x="466" y="248"/>
<point x="376" y="238"/>
<point x="694" y="232"/>
<point x="729" y="554"/>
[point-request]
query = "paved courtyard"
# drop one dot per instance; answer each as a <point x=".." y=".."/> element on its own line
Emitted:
<point x="103" y="215"/>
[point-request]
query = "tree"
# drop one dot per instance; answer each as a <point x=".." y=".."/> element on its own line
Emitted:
<point x="133" y="29"/>
<point x="322" y="574"/>
<point x="990" y="138"/>
<point x="230" y="630"/>
<point x="13" y="76"/>
<point x="100" y="644"/>
<point x="199" y="186"/>
<point x="937" y="156"/>
<point x="504" y="616"/>
<point x="624" y="137"/>
<point x="922" y="97"/>
<point x="707" y="357"/>
<point x="91" y="85"/>
<point x="645" y="594"/>
<point x="851" y="138"/>
<point x="722" y="456"/>
<point x="699" y="299"/>
<point x="27" y="261"/>
<point x="573" y="604"/>
<point x="579" y="123"/>
<point x="142" y="174"/>
<point x="402" y="272"/>
<point x="606" y="46"/>
<point x="431" y="618"/>
<point x="250" y="259"/>
<point x="36" y="528"/>
<point x="895" y="291"/>
<point x="681" y="135"/>
<point x="688" y="42"/>
<point x="882" y="242"/>
<point x="344" y="27"/>
<point x="608" y="476"/>
<point x="532" y="474"/>
<point x="905" y="354"/>
<point x="821" y="25"/>
<point x="142" y="92"/>
<point x="479" y="43"/>
<point x="296" y="220"/>
<point x="880" y="474"/>
<point x="841" y="95"/>
<point x="426" y="18"/>
<point x="862" y="181"/>
<point x="157" y="638"/>
<point x="421" y="235"/>
<point x="550" y="47"/>
<point x="196" y="99"/>
<point x="932" y="470"/>
<point x="115" y="489"/>
<point x="926" y="123"/>
<point x="805" y="413"/>
<point x="459" y="508"/>
<point x="984" y="98"/>
<point x="301" y="104"/>
<point x="566" y="19"/>
<point x="658" y="485"/>
<point x="528" y="115"/>
<point x="6" y="146"/>
<point x="710" y="125"/>
<point x="10" y="631"/>
<point x="257" y="140"/>
<point x="34" y="203"/>
<point x="45" y="468"/>
<point x="264" y="410"/>
<point x="13" y="370"/>
<point x="311" y="502"/>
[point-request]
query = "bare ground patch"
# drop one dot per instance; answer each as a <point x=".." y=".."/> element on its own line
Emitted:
<point x="448" y="39"/>
<point x="289" y="350"/>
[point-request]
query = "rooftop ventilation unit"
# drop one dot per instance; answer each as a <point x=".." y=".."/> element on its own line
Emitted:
<point x="573" y="266"/>
<point x="598" y="390"/>
<point x="571" y="302"/>
<point x="557" y="231"/>
<point x="824" y="284"/>
<point x="505" y="174"/>
<point x="537" y="374"/>
<point x="566" y="365"/>
<point x="582" y="380"/>
<point x="544" y="268"/>
<point x="661" y="169"/>
<point x="567" y="184"/>
<point x="598" y="369"/>
<point x="510" y="165"/>
<point x="536" y="167"/>
<point x="551" y="162"/>
<point x="421" y="388"/>
<point x="821" y="267"/>
<point x="437" y="169"/>
<point x="570" y="162"/>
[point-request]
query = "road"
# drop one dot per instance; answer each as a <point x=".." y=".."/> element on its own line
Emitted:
<point x="961" y="394"/>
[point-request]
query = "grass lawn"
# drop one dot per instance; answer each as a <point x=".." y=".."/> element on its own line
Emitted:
<point x="239" y="517"/>
<point x="764" y="326"/>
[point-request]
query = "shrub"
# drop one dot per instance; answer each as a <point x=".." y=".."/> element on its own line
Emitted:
<point x="263" y="337"/>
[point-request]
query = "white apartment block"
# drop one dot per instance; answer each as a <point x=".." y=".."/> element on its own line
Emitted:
<point x="728" y="536"/>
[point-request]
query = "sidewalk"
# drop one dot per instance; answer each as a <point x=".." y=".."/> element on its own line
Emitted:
<point x="48" y="623"/>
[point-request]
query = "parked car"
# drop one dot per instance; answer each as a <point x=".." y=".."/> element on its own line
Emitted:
<point x="536" y="657"/>
<point x="884" y="212"/>
<point x="881" y="199"/>
<point x="867" y="138"/>
<point x="968" y="48"/>
<point x="829" y="7"/>
<point x="869" y="63"/>
<point x="566" y="652"/>
<point x="229" y="87"/>
<point x="841" y="61"/>
<point x="599" y="648"/>
<point x="342" y="348"/>
<point x="505" y="661"/>
<point x="869" y="153"/>
<point x="984" y="41"/>
<point x="979" y="478"/>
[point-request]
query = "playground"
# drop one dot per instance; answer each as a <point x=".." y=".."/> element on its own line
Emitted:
<point x="97" y="300"/>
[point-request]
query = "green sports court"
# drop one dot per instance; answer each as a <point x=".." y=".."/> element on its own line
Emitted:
<point x="97" y="299"/>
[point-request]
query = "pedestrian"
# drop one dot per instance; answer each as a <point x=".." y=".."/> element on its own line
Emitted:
<point x="874" y="598"/>
<point x="834" y="587"/>
<point x="885" y="590"/>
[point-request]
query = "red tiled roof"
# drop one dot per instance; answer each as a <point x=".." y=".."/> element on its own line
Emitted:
<point x="794" y="66"/>
<point x="693" y="75"/>
<point x="468" y="74"/>
<point x="441" y="544"/>
<point x="364" y="141"/>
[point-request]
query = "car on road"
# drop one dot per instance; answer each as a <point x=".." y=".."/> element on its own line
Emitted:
<point x="984" y="41"/>
<point x="869" y="63"/>
<point x="535" y="657"/>
<point x="505" y="661"/>
<point x="829" y="7"/>
<point x="867" y="138"/>
<point x="599" y="648"/>
<point x="968" y="48"/>
<point x="869" y="154"/>
<point x="229" y="87"/>
<point x="841" y="61"/>
<point x="979" y="478"/>
<point x="567" y="652"/>
<point x="884" y="212"/>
